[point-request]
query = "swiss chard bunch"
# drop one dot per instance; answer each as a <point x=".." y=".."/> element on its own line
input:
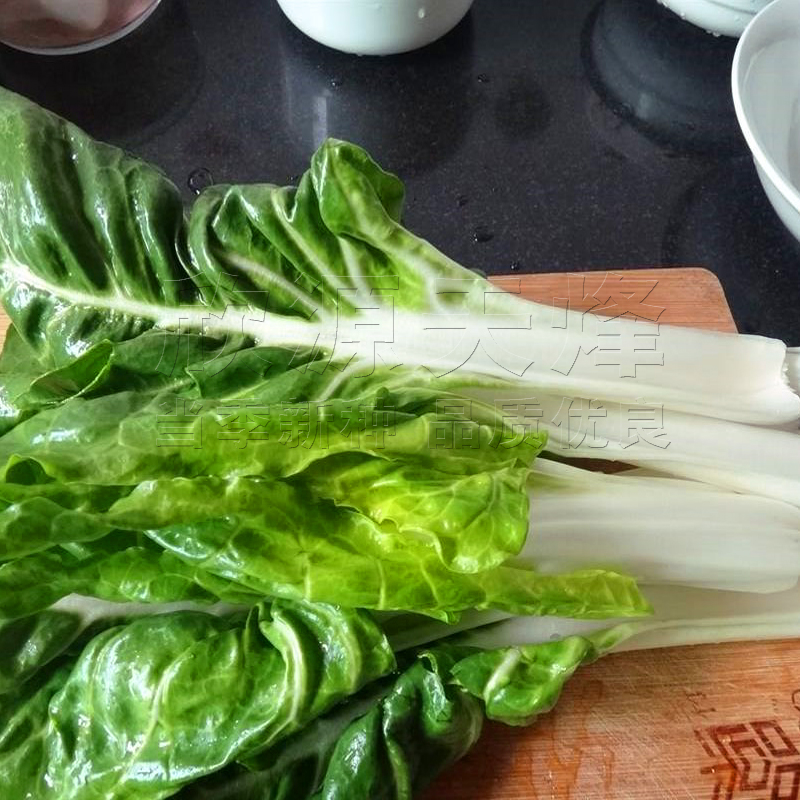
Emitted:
<point x="257" y="467"/>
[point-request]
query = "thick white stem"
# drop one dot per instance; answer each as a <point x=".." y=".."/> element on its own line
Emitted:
<point x="793" y="368"/>
<point x="739" y="457"/>
<point x="683" y="617"/>
<point x="659" y="530"/>
<point x="503" y="339"/>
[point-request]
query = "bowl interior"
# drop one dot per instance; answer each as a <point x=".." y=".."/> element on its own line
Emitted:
<point x="766" y="86"/>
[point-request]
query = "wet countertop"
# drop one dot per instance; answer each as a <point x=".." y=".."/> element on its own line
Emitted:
<point x="536" y="136"/>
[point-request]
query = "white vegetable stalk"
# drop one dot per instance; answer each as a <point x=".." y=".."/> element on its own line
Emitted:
<point x="725" y="376"/>
<point x="659" y="530"/>
<point x="91" y="609"/>
<point x="498" y="334"/>
<point x="469" y="334"/>
<point x="683" y="617"/>
<point x="738" y="457"/>
<point x="793" y="368"/>
<point x="701" y="554"/>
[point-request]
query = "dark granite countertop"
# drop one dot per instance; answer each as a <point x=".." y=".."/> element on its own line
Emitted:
<point x="542" y="136"/>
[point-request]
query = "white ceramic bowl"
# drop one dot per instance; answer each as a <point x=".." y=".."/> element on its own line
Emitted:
<point x="375" y="27"/>
<point x="726" y="17"/>
<point x="766" y="94"/>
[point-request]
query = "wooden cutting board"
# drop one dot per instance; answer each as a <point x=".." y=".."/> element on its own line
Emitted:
<point x="696" y="723"/>
<point x="701" y="723"/>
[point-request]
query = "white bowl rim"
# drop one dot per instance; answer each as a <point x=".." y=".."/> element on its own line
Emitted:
<point x="366" y="3"/>
<point x="762" y="158"/>
<point x="735" y="5"/>
<point x="720" y="17"/>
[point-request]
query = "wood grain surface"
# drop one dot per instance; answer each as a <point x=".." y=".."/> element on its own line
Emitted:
<point x="697" y="723"/>
<point x="701" y="723"/>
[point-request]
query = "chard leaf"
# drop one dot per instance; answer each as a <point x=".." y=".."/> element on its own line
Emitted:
<point x="387" y="743"/>
<point x="517" y="684"/>
<point x="390" y="741"/>
<point x="95" y="252"/>
<point x="37" y="524"/>
<point x="439" y="477"/>
<point x="322" y="249"/>
<point x="30" y="644"/>
<point x="475" y="521"/>
<point x="274" y="539"/>
<point x="121" y="438"/>
<point x="422" y="726"/>
<point x="121" y="723"/>
<point x="209" y="539"/>
<point x="91" y="240"/>
<point x="24" y="719"/>
<point x="94" y="247"/>
<point x="19" y="368"/>
<point x="120" y="568"/>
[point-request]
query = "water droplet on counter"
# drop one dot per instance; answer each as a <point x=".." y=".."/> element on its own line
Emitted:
<point x="482" y="235"/>
<point x="336" y="82"/>
<point x="462" y="200"/>
<point x="515" y="266"/>
<point x="483" y="78"/>
<point x="294" y="178"/>
<point x="199" y="179"/>
<point x="422" y="13"/>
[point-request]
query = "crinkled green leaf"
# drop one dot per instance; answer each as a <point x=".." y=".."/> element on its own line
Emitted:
<point x="276" y="539"/>
<point x="91" y="220"/>
<point x="475" y="521"/>
<point x="330" y="245"/>
<point x="24" y="718"/>
<point x="37" y="524"/>
<point x="121" y="438"/>
<point x="122" y="567"/>
<point x="19" y="368"/>
<point x="123" y="724"/>
<point x="30" y="644"/>
<point x="386" y="743"/>
<point x="94" y="249"/>
<point x="439" y="477"/>
<point x="422" y="726"/>
<point x="517" y="684"/>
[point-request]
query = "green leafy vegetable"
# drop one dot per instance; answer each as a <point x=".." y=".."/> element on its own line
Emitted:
<point x="416" y="526"/>
<point x="389" y="742"/>
<point x="163" y="700"/>
<point x="94" y="248"/>
<point x="209" y="539"/>
<point x="120" y="568"/>
<point x="88" y="218"/>
<point x="30" y="644"/>
<point x="518" y="684"/>
<point x="287" y="402"/>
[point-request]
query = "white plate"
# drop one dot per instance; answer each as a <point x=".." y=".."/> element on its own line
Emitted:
<point x="766" y="94"/>
<point x="726" y="17"/>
